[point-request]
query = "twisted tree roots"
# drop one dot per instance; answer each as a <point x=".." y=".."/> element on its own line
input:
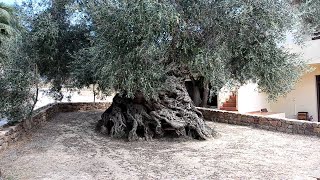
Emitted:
<point x="173" y="114"/>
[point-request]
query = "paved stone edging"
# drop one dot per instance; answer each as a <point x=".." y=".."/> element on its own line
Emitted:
<point x="273" y="124"/>
<point x="9" y="135"/>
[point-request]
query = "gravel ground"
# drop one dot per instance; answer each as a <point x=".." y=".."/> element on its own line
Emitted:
<point x="68" y="148"/>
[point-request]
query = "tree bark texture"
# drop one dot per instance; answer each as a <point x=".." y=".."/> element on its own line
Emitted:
<point x="172" y="114"/>
<point x="205" y="97"/>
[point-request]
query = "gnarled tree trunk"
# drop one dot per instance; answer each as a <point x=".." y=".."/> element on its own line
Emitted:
<point x="173" y="113"/>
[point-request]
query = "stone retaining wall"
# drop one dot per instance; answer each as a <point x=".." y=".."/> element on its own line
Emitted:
<point x="11" y="134"/>
<point x="273" y="124"/>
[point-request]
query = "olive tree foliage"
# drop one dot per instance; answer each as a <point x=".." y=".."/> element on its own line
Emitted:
<point x="139" y="43"/>
<point x="83" y="68"/>
<point x="16" y="77"/>
<point x="310" y="13"/>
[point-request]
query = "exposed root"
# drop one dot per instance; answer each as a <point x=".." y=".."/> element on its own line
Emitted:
<point x="173" y="114"/>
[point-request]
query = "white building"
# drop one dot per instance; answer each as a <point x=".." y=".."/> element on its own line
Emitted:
<point x="304" y="98"/>
<point x="306" y="95"/>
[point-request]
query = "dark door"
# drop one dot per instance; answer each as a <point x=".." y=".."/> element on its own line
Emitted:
<point x="318" y="95"/>
<point x="212" y="100"/>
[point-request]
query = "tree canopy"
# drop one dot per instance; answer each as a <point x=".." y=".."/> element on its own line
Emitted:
<point x="132" y="46"/>
<point x="139" y="43"/>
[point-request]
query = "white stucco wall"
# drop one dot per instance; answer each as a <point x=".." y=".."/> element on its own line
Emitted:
<point x="309" y="51"/>
<point x="250" y="99"/>
<point x="302" y="99"/>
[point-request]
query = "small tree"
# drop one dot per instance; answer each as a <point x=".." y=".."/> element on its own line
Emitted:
<point x="56" y="32"/>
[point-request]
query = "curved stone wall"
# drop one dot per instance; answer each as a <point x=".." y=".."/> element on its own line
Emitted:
<point x="11" y="134"/>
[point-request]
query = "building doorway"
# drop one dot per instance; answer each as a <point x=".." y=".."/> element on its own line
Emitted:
<point x="195" y="90"/>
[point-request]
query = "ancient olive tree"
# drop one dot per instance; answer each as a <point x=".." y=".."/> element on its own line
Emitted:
<point x="146" y="49"/>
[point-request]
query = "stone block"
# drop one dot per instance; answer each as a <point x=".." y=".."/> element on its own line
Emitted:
<point x="225" y="116"/>
<point x="221" y="117"/>
<point x="295" y="129"/>
<point x="251" y="120"/>
<point x="245" y="119"/>
<point x="234" y="116"/>
<point x="215" y="118"/>
<point x="308" y="127"/>
<point x="308" y="133"/>
<point x="284" y="124"/>
<point x="316" y="130"/>
<point x="274" y="123"/>
<point x="272" y="128"/>
<point x="256" y="120"/>
<point x="263" y="122"/>
<point x="289" y="131"/>
<point x="281" y="129"/>
<point x="289" y="122"/>
<point x="266" y="127"/>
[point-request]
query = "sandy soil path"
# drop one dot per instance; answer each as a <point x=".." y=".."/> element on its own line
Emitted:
<point x="68" y="148"/>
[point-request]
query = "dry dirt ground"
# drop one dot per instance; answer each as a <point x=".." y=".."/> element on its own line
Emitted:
<point x="68" y="148"/>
